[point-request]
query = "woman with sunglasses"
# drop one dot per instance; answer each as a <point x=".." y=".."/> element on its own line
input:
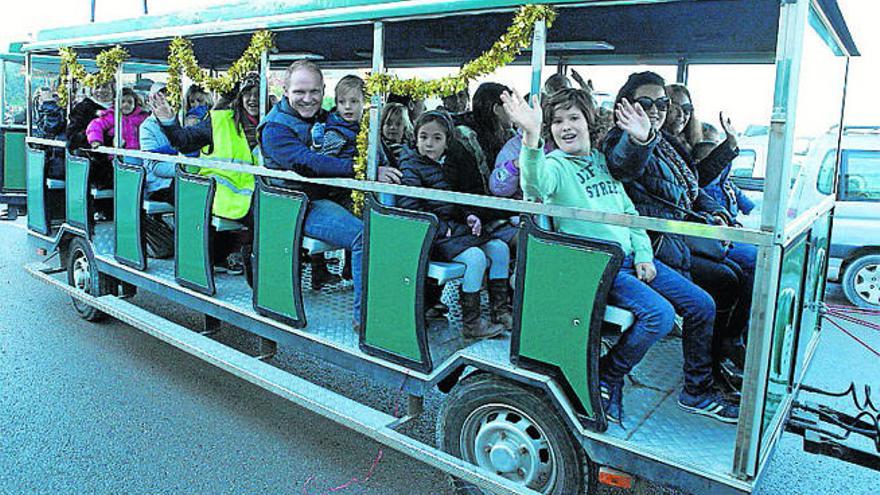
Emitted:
<point x="662" y="183"/>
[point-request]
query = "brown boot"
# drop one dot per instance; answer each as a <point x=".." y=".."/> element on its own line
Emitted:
<point x="498" y="308"/>
<point x="472" y="324"/>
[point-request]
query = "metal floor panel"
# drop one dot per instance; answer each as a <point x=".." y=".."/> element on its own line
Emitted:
<point x="687" y="438"/>
<point x="328" y="311"/>
<point x="654" y="422"/>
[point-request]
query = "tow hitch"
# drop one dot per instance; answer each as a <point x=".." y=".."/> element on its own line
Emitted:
<point x="848" y="436"/>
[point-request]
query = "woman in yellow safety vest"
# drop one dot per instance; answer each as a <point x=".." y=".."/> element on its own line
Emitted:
<point x="227" y="134"/>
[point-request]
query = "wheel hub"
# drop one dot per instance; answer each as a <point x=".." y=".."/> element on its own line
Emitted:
<point x="867" y="283"/>
<point x="509" y="444"/>
<point x="81" y="273"/>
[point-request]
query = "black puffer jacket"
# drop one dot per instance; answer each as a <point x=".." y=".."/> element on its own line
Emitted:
<point x="421" y="171"/>
<point x="648" y="174"/>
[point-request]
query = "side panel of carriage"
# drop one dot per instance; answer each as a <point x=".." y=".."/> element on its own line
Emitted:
<point x="791" y="274"/>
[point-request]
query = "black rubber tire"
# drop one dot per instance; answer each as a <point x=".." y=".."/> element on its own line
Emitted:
<point x="98" y="285"/>
<point x="575" y="472"/>
<point x="849" y="280"/>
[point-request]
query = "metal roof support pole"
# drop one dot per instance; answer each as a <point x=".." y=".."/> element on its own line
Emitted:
<point x="539" y="54"/>
<point x="264" y="83"/>
<point x="117" y="113"/>
<point x="376" y="101"/>
<point x="681" y="75"/>
<point x="789" y="51"/>
<point x="29" y="94"/>
<point x="3" y="91"/>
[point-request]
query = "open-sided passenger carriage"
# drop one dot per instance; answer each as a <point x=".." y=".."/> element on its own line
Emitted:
<point x="525" y="409"/>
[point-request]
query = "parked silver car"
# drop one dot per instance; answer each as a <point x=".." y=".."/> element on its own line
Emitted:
<point x="854" y="260"/>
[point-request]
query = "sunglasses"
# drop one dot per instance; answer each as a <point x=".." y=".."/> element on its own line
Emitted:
<point x="687" y="108"/>
<point x="661" y="103"/>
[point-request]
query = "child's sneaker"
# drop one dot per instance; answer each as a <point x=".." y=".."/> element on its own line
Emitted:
<point x="710" y="404"/>
<point x="612" y="401"/>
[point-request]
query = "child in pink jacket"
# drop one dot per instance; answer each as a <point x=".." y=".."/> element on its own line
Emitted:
<point x="101" y="128"/>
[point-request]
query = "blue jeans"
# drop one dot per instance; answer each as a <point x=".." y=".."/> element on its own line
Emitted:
<point x="494" y="253"/>
<point x="745" y="256"/>
<point x="654" y="305"/>
<point x="329" y="222"/>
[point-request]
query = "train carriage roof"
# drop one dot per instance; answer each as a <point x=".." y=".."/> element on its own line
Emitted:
<point x="426" y="32"/>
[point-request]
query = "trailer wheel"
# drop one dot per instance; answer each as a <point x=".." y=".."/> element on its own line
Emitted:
<point x="861" y="281"/>
<point x="512" y="431"/>
<point x="83" y="274"/>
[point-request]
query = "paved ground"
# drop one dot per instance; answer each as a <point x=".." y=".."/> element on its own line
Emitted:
<point x="103" y="408"/>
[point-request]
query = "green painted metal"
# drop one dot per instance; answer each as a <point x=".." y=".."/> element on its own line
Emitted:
<point x="36" y="191"/>
<point x="276" y="234"/>
<point x="14" y="166"/>
<point x="193" y="202"/>
<point x="786" y="324"/>
<point x="814" y="285"/>
<point x="395" y="248"/>
<point x="567" y="279"/>
<point x="128" y="184"/>
<point x="76" y="190"/>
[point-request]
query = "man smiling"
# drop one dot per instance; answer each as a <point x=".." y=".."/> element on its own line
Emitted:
<point x="285" y="139"/>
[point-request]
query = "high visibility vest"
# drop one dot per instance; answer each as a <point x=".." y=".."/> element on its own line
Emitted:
<point x="232" y="197"/>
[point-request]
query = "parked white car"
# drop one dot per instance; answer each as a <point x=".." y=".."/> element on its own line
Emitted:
<point x="854" y="260"/>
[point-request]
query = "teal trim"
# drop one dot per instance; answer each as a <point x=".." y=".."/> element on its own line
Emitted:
<point x="14" y="166"/>
<point x="38" y="220"/>
<point x="277" y="288"/>
<point x="272" y="15"/>
<point x="396" y="264"/>
<point x="192" y="209"/>
<point x="76" y="191"/>
<point x="567" y="278"/>
<point x="128" y="188"/>
<point x="824" y="32"/>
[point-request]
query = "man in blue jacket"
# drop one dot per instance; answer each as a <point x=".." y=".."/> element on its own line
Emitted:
<point x="285" y="142"/>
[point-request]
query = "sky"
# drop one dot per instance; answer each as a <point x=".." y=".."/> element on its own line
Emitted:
<point x="713" y="87"/>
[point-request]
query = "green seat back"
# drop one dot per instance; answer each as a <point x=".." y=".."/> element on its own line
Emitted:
<point x="396" y="247"/>
<point x="277" y="237"/>
<point x="76" y="192"/>
<point x="38" y="213"/>
<point x="194" y="195"/>
<point x="572" y="276"/>
<point x="128" y="183"/>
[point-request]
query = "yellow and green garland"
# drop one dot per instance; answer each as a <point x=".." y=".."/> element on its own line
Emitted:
<point x="107" y="61"/>
<point x="502" y="52"/>
<point x="182" y="60"/>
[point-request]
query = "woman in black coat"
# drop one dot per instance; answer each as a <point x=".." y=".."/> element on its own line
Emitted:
<point x="663" y="184"/>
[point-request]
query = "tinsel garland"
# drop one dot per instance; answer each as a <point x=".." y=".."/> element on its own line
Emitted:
<point x="108" y="62"/>
<point x="502" y="52"/>
<point x="182" y="60"/>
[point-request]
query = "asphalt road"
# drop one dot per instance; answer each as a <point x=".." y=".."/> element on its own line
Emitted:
<point x="104" y="408"/>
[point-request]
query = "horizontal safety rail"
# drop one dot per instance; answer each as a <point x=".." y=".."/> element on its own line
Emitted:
<point x="514" y="206"/>
<point x="363" y="419"/>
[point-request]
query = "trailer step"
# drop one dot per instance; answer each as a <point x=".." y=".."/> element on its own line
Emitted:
<point x="365" y="420"/>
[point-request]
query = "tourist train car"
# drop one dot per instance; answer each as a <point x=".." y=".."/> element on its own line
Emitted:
<point x="522" y="413"/>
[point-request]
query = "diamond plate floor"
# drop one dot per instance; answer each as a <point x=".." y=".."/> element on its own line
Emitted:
<point x="328" y="311"/>
<point x="654" y="422"/>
